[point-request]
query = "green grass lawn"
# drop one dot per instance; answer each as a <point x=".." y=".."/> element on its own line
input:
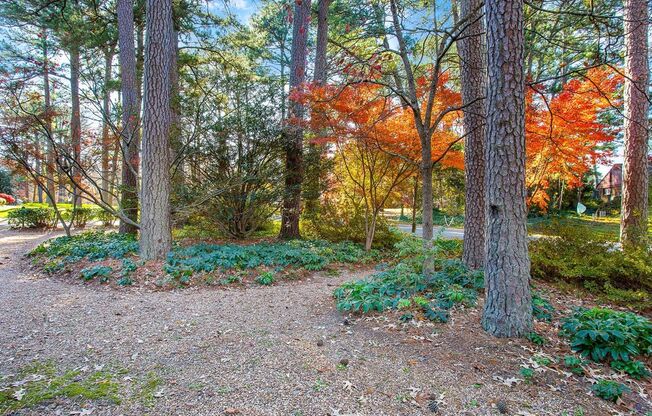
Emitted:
<point x="606" y="227"/>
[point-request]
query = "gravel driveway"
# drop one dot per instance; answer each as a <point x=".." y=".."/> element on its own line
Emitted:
<point x="259" y="351"/>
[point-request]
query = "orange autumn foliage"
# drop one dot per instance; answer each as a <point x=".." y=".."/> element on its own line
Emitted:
<point x="564" y="131"/>
<point x="365" y="113"/>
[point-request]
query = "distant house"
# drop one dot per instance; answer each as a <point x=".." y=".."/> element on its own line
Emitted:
<point x="611" y="185"/>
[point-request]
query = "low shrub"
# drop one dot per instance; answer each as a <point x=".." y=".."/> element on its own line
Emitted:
<point x="609" y="390"/>
<point x="347" y="223"/>
<point x="635" y="369"/>
<point x="92" y="272"/>
<point x="309" y="255"/>
<point x="574" y="364"/>
<point x="106" y="218"/>
<point x="79" y="216"/>
<point x="265" y="279"/>
<point x="578" y="257"/>
<point x="32" y="217"/>
<point x="93" y="246"/>
<point x="405" y="284"/>
<point x="604" y="334"/>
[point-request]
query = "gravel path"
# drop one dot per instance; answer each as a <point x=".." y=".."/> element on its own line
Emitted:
<point x="256" y="351"/>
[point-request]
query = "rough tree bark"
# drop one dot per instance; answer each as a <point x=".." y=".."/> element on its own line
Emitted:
<point x="315" y="154"/>
<point x="634" y="217"/>
<point x="508" y="305"/>
<point x="130" y="135"/>
<point x="471" y="49"/>
<point x="175" y="116"/>
<point x="294" y="134"/>
<point x="50" y="155"/>
<point x="75" y="123"/>
<point x="106" y="140"/>
<point x="322" y="42"/>
<point x="155" y="231"/>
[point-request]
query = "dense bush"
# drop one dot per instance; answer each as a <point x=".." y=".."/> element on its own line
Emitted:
<point x="578" y="257"/>
<point x="241" y="182"/>
<point x="80" y="216"/>
<point x="310" y="255"/>
<point x="106" y="218"/>
<point x="605" y="334"/>
<point x="24" y="217"/>
<point x="346" y="222"/>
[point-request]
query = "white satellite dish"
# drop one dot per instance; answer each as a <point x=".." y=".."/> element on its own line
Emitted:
<point x="581" y="208"/>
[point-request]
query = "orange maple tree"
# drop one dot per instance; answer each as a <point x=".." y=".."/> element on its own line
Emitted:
<point x="363" y="111"/>
<point x="565" y="132"/>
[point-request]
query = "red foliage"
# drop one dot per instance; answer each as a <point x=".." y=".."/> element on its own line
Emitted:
<point x="8" y="198"/>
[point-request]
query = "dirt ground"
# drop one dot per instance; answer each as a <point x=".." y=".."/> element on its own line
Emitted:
<point x="279" y="350"/>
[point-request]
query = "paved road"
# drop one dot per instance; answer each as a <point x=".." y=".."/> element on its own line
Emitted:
<point x="450" y="233"/>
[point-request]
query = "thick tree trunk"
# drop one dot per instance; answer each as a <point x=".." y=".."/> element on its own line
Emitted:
<point x="633" y="225"/>
<point x="427" y="206"/>
<point x="106" y="140"/>
<point x="39" y="170"/>
<point x="322" y="42"/>
<point x="508" y="305"/>
<point x="155" y="231"/>
<point x="175" y="132"/>
<point x="75" y="123"/>
<point x="415" y="197"/>
<point x="472" y="66"/>
<point x="130" y="136"/>
<point x="50" y="154"/>
<point x="294" y="133"/>
<point x="314" y="156"/>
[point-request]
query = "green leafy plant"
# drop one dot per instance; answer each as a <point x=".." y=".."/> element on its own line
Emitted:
<point x="125" y="281"/>
<point x="106" y="218"/>
<point x="601" y="333"/>
<point x="541" y="308"/>
<point x="310" y="255"/>
<point x="574" y="364"/>
<point x="406" y="317"/>
<point x="82" y="215"/>
<point x="542" y="360"/>
<point x="527" y="373"/>
<point x="233" y="278"/>
<point x="92" y="272"/>
<point x="635" y="369"/>
<point x="265" y="279"/>
<point x="92" y="246"/>
<point x="451" y="285"/>
<point x="536" y="339"/>
<point x="609" y="390"/>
